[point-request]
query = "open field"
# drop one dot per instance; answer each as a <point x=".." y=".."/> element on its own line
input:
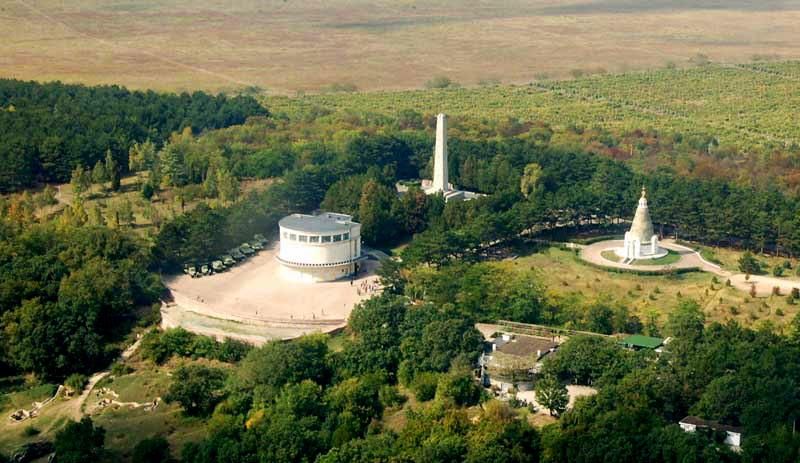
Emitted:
<point x="568" y="278"/>
<point x="125" y="426"/>
<point x="745" y="105"/>
<point x="289" y="45"/>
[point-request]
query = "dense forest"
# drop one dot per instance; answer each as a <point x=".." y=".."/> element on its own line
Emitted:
<point x="71" y="288"/>
<point x="301" y="401"/>
<point x="50" y="129"/>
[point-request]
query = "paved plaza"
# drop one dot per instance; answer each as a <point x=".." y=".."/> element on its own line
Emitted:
<point x="252" y="302"/>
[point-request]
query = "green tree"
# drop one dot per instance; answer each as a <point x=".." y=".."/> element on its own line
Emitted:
<point x="113" y="171"/>
<point x="80" y="182"/>
<point x="529" y="183"/>
<point x="152" y="450"/>
<point x="749" y="264"/>
<point x="227" y="186"/>
<point x="458" y="386"/>
<point x="584" y="359"/>
<point x="197" y="388"/>
<point x="552" y="395"/>
<point x="141" y="156"/>
<point x="686" y="321"/>
<point x="376" y="211"/>
<point x="99" y="175"/>
<point x="267" y="369"/>
<point x="79" y="442"/>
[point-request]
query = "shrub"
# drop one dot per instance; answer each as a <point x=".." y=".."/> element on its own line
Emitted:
<point x="160" y="346"/>
<point x="147" y="190"/>
<point x="441" y="82"/>
<point x="776" y="291"/>
<point x="424" y="385"/>
<point x="777" y="271"/>
<point x="779" y="312"/>
<point x="459" y="387"/>
<point x="389" y="396"/>
<point x="752" y="290"/>
<point x="76" y="382"/>
<point x="197" y="388"/>
<point x="30" y="431"/>
<point x="120" y="369"/>
<point x="232" y="350"/>
<point x="151" y="450"/>
<point x="795" y="293"/>
<point x="749" y="264"/>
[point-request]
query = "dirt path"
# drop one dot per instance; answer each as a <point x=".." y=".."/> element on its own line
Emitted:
<point x="78" y="406"/>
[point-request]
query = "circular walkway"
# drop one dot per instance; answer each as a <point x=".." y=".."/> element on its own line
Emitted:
<point x="689" y="258"/>
<point x="764" y="285"/>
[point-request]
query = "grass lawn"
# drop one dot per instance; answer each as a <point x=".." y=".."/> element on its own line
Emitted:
<point x="567" y="278"/>
<point x="729" y="259"/>
<point x="610" y="255"/>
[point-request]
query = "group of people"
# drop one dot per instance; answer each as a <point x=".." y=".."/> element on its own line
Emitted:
<point x="366" y="287"/>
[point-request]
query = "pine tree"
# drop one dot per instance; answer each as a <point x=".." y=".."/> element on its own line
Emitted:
<point x="99" y="175"/>
<point x="80" y="182"/>
<point x="112" y="171"/>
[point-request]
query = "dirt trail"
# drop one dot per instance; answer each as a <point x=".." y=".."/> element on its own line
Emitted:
<point x="77" y="411"/>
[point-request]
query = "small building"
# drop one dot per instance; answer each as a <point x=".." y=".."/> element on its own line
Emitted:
<point x="638" y="341"/>
<point x="733" y="434"/>
<point x="513" y="360"/>
<point x="321" y="247"/>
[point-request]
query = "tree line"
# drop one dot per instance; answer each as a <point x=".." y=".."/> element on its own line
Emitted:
<point x="50" y="129"/>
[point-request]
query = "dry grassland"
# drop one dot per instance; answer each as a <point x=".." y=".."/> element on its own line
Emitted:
<point x="290" y="45"/>
<point x="572" y="281"/>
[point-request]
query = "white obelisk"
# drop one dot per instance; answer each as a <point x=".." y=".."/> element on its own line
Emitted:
<point x="440" y="181"/>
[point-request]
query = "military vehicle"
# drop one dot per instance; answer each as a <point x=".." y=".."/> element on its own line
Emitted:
<point x="237" y="254"/>
<point x="218" y="266"/>
<point x="261" y="240"/>
<point x="228" y="260"/>
<point x="205" y="269"/>
<point x="192" y="271"/>
<point x="246" y="249"/>
<point x="256" y="245"/>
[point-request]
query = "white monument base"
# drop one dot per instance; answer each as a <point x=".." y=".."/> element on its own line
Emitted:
<point x="317" y="275"/>
<point x="660" y="252"/>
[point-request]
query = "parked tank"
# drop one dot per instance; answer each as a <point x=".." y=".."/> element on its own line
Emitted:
<point x="246" y="249"/>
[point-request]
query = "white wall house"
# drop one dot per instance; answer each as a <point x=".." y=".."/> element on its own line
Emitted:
<point x="322" y="247"/>
<point x="733" y="434"/>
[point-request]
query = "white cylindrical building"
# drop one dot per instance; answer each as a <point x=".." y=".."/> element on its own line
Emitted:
<point x="322" y="247"/>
